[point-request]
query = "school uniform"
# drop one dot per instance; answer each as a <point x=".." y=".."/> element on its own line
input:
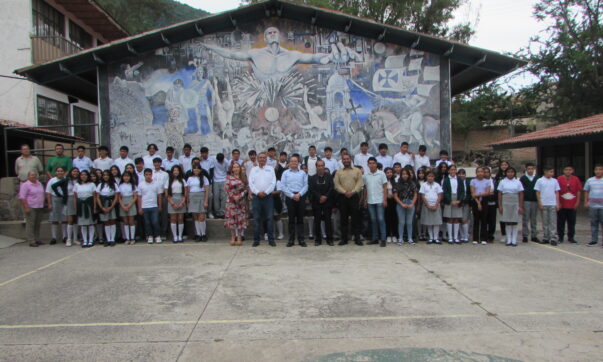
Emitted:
<point x="431" y="218"/>
<point x="127" y="192"/>
<point x="177" y="196"/>
<point x="106" y="195"/>
<point x="196" y="194"/>
<point x="548" y="187"/>
<point x="530" y="207"/>
<point x="454" y="190"/>
<point x="510" y="189"/>
<point x="57" y="199"/>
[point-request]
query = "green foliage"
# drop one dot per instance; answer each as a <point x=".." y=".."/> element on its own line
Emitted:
<point x="568" y="58"/>
<point x="138" y="16"/>
<point x="425" y="16"/>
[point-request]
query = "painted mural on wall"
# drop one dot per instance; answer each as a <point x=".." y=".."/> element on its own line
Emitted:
<point x="276" y="83"/>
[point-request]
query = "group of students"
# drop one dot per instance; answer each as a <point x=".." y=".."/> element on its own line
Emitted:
<point x="389" y="199"/>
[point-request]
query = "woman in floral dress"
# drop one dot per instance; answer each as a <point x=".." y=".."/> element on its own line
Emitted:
<point x="236" y="205"/>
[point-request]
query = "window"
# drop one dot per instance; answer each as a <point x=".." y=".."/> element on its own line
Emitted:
<point x="82" y="116"/>
<point x="47" y="21"/>
<point x="79" y="36"/>
<point x="53" y="113"/>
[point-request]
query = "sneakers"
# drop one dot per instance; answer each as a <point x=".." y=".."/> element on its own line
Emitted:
<point x="389" y="239"/>
<point x="266" y="237"/>
<point x="484" y="243"/>
<point x="592" y="243"/>
<point x="400" y="241"/>
<point x="68" y="242"/>
<point x="411" y="242"/>
<point x="150" y="240"/>
<point x="280" y="237"/>
<point x="475" y="242"/>
<point x="158" y="240"/>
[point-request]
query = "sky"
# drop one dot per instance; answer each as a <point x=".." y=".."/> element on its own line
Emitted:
<point x="501" y="25"/>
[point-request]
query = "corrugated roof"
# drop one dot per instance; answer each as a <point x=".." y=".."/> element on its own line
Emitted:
<point x="76" y="74"/>
<point x="575" y="131"/>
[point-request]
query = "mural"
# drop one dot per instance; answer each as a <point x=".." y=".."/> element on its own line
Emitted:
<point x="276" y="83"/>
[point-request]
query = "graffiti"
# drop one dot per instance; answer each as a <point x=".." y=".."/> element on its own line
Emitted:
<point x="277" y="83"/>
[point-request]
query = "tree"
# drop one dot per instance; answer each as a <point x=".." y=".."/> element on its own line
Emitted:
<point x="568" y="58"/>
<point x="425" y="16"/>
<point x="490" y="104"/>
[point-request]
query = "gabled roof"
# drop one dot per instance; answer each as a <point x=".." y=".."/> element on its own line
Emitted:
<point x="97" y="18"/>
<point x="580" y="130"/>
<point x="76" y="74"/>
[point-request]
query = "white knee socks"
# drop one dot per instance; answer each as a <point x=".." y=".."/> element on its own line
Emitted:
<point x="203" y="227"/>
<point x="133" y="232"/>
<point x="180" y="231"/>
<point x="110" y="231"/>
<point x="449" y="227"/>
<point x="465" y="229"/>
<point x="429" y="231"/>
<point x="64" y="233"/>
<point x="455" y="232"/>
<point x="84" y="234"/>
<point x="174" y="231"/>
<point x="91" y="234"/>
<point x="70" y="235"/>
<point x="513" y="230"/>
<point x="436" y="231"/>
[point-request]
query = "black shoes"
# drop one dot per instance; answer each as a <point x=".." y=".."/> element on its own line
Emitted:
<point x="535" y="240"/>
<point x="544" y="242"/>
<point x="302" y="244"/>
<point x="330" y="242"/>
<point x="553" y="243"/>
<point x="290" y="244"/>
<point x="343" y="242"/>
<point x="359" y="243"/>
<point x="272" y="243"/>
<point x="53" y="241"/>
<point x="255" y="243"/>
<point x="382" y="244"/>
<point x="592" y="243"/>
<point x="525" y="239"/>
<point x="317" y="243"/>
<point x="573" y="241"/>
<point x="372" y="242"/>
<point x="204" y="238"/>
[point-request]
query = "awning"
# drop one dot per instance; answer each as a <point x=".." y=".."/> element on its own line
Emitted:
<point x="76" y="74"/>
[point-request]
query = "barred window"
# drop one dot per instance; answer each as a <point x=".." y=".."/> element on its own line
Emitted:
<point x="53" y="113"/>
<point x="84" y="117"/>
<point x="47" y="21"/>
<point x="79" y="36"/>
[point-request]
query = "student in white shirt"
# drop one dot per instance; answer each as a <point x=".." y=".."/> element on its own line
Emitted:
<point x="431" y="213"/>
<point x="128" y="199"/>
<point x="148" y="159"/>
<point x="510" y="204"/>
<point x="123" y="159"/>
<point x="82" y="162"/>
<point x="443" y="158"/>
<point x="235" y="156"/>
<point x="547" y="193"/>
<point x="361" y="159"/>
<point x="83" y="201"/>
<point x="169" y="161"/>
<point x="103" y="162"/>
<point x="139" y="166"/>
<point x="383" y="158"/>
<point x="175" y="195"/>
<point x="218" y="192"/>
<point x="310" y="160"/>
<point x="197" y="194"/>
<point x="421" y="159"/>
<point x="160" y="177"/>
<point x="251" y="162"/>
<point x="106" y="199"/>
<point x="56" y="197"/>
<point x="330" y="163"/>
<point x="404" y="157"/>
<point x="186" y="159"/>
<point x="149" y="205"/>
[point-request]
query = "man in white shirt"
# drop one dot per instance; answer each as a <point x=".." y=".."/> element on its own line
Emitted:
<point x="207" y="163"/>
<point x="271" y="160"/>
<point x="443" y="158"/>
<point x="219" y="194"/>
<point x="422" y="160"/>
<point x="82" y="162"/>
<point x="383" y="158"/>
<point x="123" y="159"/>
<point x="186" y="159"/>
<point x="150" y="205"/>
<point x="262" y="182"/>
<point x="330" y="163"/>
<point x="161" y="178"/>
<point x="148" y="159"/>
<point x="251" y="162"/>
<point x="235" y="156"/>
<point x="361" y="159"/>
<point x="404" y="157"/>
<point x="103" y="162"/>
<point x="169" y="160"/>
<point x="310" y="160"/>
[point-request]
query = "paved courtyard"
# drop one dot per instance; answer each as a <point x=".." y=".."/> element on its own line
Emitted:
<point x="214" y="302"/>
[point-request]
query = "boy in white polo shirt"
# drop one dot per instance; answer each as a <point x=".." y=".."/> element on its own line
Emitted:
<point x="149" y="205"/>
<point x="547" y="193"/>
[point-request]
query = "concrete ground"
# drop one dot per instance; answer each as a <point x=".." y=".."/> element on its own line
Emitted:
<point x="214" y="302"/>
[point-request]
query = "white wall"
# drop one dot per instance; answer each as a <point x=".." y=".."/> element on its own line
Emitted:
<point x="16" y="96"/>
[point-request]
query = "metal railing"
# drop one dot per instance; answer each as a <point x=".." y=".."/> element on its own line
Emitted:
<point x="47" y="48"/>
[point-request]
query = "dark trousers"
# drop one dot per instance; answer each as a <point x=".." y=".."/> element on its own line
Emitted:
<point x="491" y="211"/>
<point x="263" y="209"/>
<point x="569" y="216"/>
<point x="348" y="207"/>
<point x="480" y="223"/>
<point x="140" y="232"/>
<point x="295" y="211"/>
<point x="151" y="221"/>
<point x="322" y="212"/>
<point x="391" y="218"/>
